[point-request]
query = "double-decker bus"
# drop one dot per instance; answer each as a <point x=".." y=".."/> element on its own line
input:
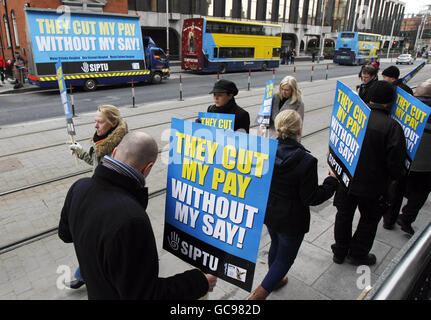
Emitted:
<point x="214" y="45"/>
<point x="356" y="47"/>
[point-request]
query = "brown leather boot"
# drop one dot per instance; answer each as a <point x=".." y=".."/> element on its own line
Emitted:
<point x="282" y="283"/>
<point x="259" y="294"/>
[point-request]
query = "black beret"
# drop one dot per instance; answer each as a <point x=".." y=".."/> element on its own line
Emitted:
<point x="225" y="86"/>
<point x="392" y="72"/>
<point x="382" y="92"/>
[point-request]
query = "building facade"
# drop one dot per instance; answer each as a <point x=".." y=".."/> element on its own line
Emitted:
<point x="303" y="22"/>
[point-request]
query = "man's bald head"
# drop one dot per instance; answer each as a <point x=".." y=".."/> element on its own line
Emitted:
<point x="137" y="149"/>
<point x="424" y="89"/>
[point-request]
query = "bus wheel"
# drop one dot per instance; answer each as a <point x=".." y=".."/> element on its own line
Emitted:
<point x="156" y="78"/>
<point x="90" y="85"/>
<point x="223" y="68"/>
<point x="264" y="66"/>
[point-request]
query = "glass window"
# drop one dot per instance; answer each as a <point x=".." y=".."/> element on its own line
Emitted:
<point x="6" y="25"/>
<point x="228" y="8"/>
<point x="154" y="5"/>
<point x="236" y="52"/>
<point x="253" y="10"/>
<point x="347" y="35"/>
<point x="268" y="10"/>
<point x="15" y="28"/>
<point x="300" y="9"/>
<point x="210" y="7"/>
<point x="286" y="10"/>
<point x="244" y="9"/>
<point x="276" y="52"/>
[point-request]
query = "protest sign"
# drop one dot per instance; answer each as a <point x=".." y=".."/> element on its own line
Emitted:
<point x="349" y="121"/>
<point x="264" y="115"/>
<point x="65" y="98"/>
<point x="219" y="120"/>
<point x="411" y="74"/>
<point x="412" y="114"/>
<point x="217" y="190"/>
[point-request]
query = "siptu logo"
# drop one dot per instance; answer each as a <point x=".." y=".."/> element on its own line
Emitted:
<point x="85" y="67"/>
<point x="174" y="240"/>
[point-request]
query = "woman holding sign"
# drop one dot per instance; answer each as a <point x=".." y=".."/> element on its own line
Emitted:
<point x="289" y="97"/>
<point x="110" y="130"/>
<point x="294" y="188"/>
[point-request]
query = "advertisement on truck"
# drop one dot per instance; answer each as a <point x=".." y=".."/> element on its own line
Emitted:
<point x="93" y="49"/>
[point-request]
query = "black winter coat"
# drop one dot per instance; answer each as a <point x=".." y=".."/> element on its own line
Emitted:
<point x="242" y="117"/>
<point x="365" y="90"/>
<point x="294" y="188"/>
<point x="104" y="216"/>
<point x="402" y="85"/>
<point x="382" y="155"/>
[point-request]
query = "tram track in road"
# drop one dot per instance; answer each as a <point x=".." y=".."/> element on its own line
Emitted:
<point x="132" y="116"/>
<point x="86" y="171"/>
<point x="52" y="231"/>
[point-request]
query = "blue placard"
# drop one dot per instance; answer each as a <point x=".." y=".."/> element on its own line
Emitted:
<point x="348" y="124"/>
<point x="264" y="115"/>
<point x="77" y="37"/>
<point x="224" y="121"/>
<point x="217" y="189"/>
<point x="411" y="74"/>
<point x="64" y="98"/>
<point x="412" y="114"/>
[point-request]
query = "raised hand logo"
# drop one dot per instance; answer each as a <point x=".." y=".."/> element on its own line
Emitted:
<point x="174" y="240"/>
<point x="85" y="67"/>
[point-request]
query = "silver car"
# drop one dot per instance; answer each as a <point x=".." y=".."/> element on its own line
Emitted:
<point x="405" y="58"/>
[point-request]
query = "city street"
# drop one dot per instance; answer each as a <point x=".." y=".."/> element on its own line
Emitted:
<point x="37" y="169"/>
<point x="43" y="104"/>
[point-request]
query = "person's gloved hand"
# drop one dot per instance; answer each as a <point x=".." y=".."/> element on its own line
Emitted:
<point x="76" y="148"/>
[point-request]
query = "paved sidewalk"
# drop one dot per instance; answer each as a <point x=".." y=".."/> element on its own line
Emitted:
<point x="33" y="271"/>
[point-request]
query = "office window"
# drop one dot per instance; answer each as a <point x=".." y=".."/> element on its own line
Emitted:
<point x="300" y="9"/>
<point x="286" y="10"/>
<point x="253" y="10"/>
<point x="154" y="5"/>
<point x="268" y="10"/>
<point x="244" y="9"/>
<point x="228" y="8"/>
<point x="210" y="8"/>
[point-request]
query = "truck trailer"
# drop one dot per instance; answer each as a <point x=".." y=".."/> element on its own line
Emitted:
<point x="94" y="49"/>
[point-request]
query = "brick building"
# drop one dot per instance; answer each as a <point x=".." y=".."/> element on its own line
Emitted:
<point x="12" y="29"/>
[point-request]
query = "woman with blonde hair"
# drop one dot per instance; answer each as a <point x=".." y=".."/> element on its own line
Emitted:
<point x="110" y="130"/>
<point x="289" y="97"/>
<point x="294" y="187"/>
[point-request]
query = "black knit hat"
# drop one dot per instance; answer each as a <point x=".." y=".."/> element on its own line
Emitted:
<point x="382" y="92"/>
<point x="225" y="86"/>
<point x="392" y="72"/>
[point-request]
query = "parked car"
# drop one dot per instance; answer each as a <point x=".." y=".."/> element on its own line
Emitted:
<point x="405" y="58"/>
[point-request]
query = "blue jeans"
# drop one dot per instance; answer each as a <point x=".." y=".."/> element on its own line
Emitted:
<point x="78" y="274"/>
<point x="282" y="253"/>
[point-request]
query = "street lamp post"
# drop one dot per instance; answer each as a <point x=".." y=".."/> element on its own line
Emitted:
<point x="390" y="41"/>
<point x="321" y="42"/>
<point x="167" y="28"/>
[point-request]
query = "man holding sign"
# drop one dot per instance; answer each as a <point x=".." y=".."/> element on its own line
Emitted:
<point x="381" y="159"/>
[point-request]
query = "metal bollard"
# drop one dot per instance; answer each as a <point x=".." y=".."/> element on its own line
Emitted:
<point x="181" y="88"/>
<point x="294" y="69"/>
<point x="312" y="71"/>
<point x="218" y="75"/>
<point x="133" y="95"/>
<point x="249" y="80"/>
<point x="72" y="102"/>
<point x="327" y="67"/>
<point x="273" y="73"/>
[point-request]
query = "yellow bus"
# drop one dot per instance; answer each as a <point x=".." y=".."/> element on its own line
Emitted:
<point x="215" y="45"/>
